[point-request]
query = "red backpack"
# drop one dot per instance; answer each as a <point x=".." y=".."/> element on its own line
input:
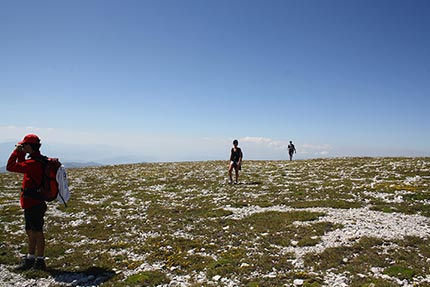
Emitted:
<point x="48" y="189"/>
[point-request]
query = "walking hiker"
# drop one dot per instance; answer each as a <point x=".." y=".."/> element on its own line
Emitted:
<point x="236" y="156"/>
<point x="291" y="150"/>
<point x="34" y="209"/>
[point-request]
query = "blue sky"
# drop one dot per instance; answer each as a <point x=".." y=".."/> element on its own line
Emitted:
<point x="179" y="80"/>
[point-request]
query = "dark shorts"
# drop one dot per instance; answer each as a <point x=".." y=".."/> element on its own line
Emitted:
<point x="34" y="217"/>
<point x="236" y="165"/>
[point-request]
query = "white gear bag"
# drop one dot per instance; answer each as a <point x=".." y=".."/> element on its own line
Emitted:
<point x="63" y="185"/>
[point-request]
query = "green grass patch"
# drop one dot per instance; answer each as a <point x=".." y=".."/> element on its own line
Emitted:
<point x="400" y="272"/>
<point x="147" y="278"/>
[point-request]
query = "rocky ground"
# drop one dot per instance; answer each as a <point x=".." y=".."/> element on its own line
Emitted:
<point x="327" y="222"/>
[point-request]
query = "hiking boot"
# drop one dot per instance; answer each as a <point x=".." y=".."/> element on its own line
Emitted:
<point x="26" y="264"/>
<point x="39" y="264"/>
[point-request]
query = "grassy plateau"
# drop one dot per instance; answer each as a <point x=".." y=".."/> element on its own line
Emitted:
<point x="323" y="222"/>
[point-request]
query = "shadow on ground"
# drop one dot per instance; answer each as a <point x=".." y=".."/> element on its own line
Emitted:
<point x="92" y="276"/>
<point x="246" y="183"/>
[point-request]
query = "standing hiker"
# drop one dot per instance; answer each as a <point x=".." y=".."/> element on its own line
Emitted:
<point x="291" y="150"/>
<point x="236" y="156"/>
<point x="34" y="209"/>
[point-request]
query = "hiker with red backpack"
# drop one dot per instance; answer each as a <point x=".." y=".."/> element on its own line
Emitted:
<point x="34" y="208"/>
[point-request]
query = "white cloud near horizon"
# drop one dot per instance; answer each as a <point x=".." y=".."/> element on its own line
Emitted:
<point x="75" y="145"/>
<point x="277" y="144"/>
<point x="16" y="133"/>
<point x="160" y="147"/>
<point x="155" y="147"/>
<point x="305" y="149"/>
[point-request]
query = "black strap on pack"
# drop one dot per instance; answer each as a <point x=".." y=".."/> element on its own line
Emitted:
<point x="34" y="192"/>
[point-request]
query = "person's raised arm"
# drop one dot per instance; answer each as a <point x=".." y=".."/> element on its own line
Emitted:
<point x="16" y="160"/>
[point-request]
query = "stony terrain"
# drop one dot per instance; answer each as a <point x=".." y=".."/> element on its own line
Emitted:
<point x="325" y="222"/>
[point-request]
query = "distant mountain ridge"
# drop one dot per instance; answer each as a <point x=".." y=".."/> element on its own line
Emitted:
<point x="68" y="165"/>
<point x="74" y="156"/>
<point x="81" y="164"/>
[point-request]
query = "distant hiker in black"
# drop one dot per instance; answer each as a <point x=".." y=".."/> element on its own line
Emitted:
<point x="291" y="150"/>
<point x="236" y="156"/>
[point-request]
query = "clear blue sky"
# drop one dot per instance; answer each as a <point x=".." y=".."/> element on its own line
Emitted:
<point x="179" y="80"/>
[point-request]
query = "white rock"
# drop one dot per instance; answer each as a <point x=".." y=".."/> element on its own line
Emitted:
<point x="271" y="275"/>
